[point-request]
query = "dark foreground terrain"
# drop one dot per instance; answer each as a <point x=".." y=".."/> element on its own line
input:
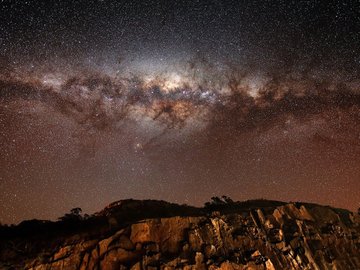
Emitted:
<point x="132" y="234"/>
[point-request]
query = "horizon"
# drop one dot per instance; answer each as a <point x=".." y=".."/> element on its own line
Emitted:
<point x="203" y="206"/>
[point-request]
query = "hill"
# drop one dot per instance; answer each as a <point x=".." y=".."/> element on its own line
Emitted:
<point x="151" y="234"/>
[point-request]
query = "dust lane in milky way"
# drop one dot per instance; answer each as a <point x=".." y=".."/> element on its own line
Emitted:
<point x="147" y="134"/>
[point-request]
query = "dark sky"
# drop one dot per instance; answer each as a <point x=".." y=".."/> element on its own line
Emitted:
<point x="177" y="100"/>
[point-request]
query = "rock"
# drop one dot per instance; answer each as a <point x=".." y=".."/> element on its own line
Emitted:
<point x="63" y="253"/>
<point x="125" y="243"/>
<point x="136" y="266"/>
<point x="210" y="251"/>
<point x="104" y="244"/>
<point x="229" y="266"/>
<point x="286" y="237"/>
<point x="168" y="232"/>
<point x="85" y="261"/>
<point x="199" y="261"/>
<point x="120" y="255"/>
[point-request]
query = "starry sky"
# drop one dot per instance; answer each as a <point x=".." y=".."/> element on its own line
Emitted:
<point x="177" y="100"/>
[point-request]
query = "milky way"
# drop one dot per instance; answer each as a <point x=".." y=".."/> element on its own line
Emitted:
<point x="198" y="118"/>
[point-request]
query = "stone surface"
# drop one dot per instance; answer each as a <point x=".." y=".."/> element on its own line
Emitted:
<point x="286" y="237"/>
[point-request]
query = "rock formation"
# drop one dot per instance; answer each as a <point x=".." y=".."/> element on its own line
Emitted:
<point x="287" y="236"/>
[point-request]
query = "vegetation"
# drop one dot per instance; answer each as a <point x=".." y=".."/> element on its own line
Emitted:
<point x="215" y="201"/>
<point x="30" y="237"/>
<point x="225" y="204"/>
<point x="74" y="215"/>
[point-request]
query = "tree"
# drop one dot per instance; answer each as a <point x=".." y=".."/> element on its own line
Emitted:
<point x="227" y="199"/>
<point x="76" y="211"/>
<point x="217" y="201"/>
<point x="75" y="214"/>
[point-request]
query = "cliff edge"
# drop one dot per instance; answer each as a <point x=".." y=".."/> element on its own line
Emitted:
<point x="282" y="236"/>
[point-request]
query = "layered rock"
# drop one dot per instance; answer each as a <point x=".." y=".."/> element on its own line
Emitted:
<point x="286" y="237"/>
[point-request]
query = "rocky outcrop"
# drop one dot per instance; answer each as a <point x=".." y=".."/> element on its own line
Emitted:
<point x="286" y="237"/>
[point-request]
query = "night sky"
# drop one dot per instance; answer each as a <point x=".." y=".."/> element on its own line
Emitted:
<point x="179" y="101"/>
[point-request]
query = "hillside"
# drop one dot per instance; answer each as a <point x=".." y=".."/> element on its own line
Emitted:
<point x="133" y="234"/>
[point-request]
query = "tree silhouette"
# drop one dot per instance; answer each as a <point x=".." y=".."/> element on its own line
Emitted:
<point x="76" y="211"/>
<point x="75" y="214"/>
<point x="219" y="201"/>
<point x="216" y="200"/>
<point x="227" y="199"/>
